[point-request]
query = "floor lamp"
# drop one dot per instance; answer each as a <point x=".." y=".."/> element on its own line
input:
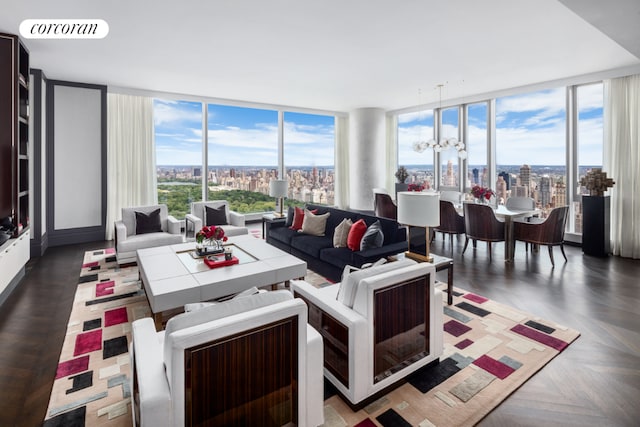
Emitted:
<point x="419" y="209"/>
<point x="278" y="188"/>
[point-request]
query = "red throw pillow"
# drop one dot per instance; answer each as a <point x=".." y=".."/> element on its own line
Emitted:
<point x="356" y="232"/>
<point x="298" y="218"/>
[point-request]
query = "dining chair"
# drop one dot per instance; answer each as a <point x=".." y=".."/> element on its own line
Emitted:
<point x="518" y="202"/>
<point x="548" y="231"/>
<point x="481" y="224"/>
<point x="450" y="221"/>
<point x="383" y="204"/>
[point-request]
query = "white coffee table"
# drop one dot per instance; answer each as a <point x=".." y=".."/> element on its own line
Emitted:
<point x="172" y="277"/>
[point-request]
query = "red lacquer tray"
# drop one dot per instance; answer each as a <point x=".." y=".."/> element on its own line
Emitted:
<point x="215" y="261"/>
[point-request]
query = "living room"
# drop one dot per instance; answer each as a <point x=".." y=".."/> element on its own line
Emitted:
<point x="231" y="56"/>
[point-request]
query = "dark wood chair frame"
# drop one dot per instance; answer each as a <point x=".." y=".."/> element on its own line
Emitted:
<point x="450" y="221"/>
<point x="549" y="231"/>
<point x="481" y="224"/>
<point x="384" y="206"/>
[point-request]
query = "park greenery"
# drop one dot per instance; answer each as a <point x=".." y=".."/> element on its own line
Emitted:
<point x="178" y="196"/>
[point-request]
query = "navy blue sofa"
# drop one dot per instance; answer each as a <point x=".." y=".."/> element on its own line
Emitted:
<point x="319" y="252"/>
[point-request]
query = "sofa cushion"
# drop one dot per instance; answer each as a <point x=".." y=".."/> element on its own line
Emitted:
<point x="349" y="284"/>
<point x="298" y="218"/>
<point x="148" y="222"/>
<point x="314" y="224"/>
<point x="311" y="245"/>
<point x="373" y="237"/>
<point x="389" y="227"/>
<point x="282" y="234"/>
<point x="148" y="240"/>
<point x="341" y="233"/>
<point x="290" y="215"/>
<point x="337" y="257"/>
<point x="217" y="311"/>
<point x="216" y="216"/>
<point x="356" y="232"/>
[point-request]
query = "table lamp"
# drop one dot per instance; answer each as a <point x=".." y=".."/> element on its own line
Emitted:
<point x="419" y="209"/>
<point x="278" y="188"/>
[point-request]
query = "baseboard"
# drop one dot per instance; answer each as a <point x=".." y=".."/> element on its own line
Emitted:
<point x="11" y="286"/>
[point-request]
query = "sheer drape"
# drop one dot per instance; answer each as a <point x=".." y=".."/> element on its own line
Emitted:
<point x="622" y="162"/>
<point x="342" y="162"/>
<point x="131" y="175"/>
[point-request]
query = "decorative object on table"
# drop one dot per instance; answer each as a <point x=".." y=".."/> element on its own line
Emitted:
<point x="596" y="182"/>
<point x="209" y="240"/>
<point x="596" y="221"/>
<point x="419" y="209"/>
<point x="278" y="189"/>
<point x="228" y="253"/>
<point x="415" y="187"/>
<point x="402" y="174"/>
<point x="482" y="194"/>
<point x="220" y="260"/>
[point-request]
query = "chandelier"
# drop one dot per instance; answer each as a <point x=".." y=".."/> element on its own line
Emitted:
<point x="444" y="143"/>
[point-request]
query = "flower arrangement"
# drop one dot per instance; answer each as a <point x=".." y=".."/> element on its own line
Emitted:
<point x="210" y="233"/>
<point x="480" y="192"/>
<point x="402" y="174"/>
<point x="415" y="187"/>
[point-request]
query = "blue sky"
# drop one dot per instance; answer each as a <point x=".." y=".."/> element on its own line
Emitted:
<point x="530" y="128"/>
<point x="240" y="136"/>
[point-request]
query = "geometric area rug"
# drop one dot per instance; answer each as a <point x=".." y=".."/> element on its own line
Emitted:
<point x="92" y="383"/>
<point x="490" y="350"/>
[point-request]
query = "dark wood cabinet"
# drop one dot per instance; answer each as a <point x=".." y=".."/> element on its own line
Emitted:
<point x="14" y="131"/>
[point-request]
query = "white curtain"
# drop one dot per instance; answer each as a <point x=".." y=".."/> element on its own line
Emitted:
<point x="622" y="162"/>
<point x="391" y="154"/>
<point x="131" y="175"/>
<point x="342" y="162"/>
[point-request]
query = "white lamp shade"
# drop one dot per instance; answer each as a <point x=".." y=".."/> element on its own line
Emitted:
<point x="278" y="188"/>
<point x="419" y="209"/>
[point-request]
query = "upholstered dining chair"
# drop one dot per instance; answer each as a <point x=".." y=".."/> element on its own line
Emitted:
<point x="518" y="202"/>
<point x="481" y="224"/>
<point x="451" y="222"/>
<point x="383" y="205"/>
<point x="548" y="231"/>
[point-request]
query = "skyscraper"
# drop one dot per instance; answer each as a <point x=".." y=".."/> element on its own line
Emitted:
<point x="501" y="189"/>
<point x="506" y="178"/>
<point x="546" y="190"/>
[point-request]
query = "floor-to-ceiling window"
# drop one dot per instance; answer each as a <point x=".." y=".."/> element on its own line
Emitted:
<point x="178" y="138"/>
<point x="476" y="146"/>
<point x="309" y="141"/>
<point x="589" y="138"/>
<point x="242" y="156"/>
<point x="414" y="130"/>
<point x="449" y="166"/>
<point x="531" y="146"/>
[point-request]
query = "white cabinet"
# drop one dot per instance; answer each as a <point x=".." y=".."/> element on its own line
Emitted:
<point x="14" y="254"/>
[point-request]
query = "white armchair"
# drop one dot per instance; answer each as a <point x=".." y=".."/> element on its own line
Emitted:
<point x="161" y="229"/>
<point x="378" y="325"/>
<point x="234" y="221"/>
<point x="234" y="363"/>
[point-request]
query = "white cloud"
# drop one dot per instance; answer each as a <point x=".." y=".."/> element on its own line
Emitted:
<point x="167" y="112"/>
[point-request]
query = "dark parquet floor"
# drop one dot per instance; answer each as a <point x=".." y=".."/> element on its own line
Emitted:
<point x="595" y="382"/>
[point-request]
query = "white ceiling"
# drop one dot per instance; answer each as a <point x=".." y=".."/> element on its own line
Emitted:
<point x="334" y="55"/>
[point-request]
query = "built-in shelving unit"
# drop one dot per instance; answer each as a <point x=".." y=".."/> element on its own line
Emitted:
<point x="14" y="131"/>
<point x="14" y="160"/>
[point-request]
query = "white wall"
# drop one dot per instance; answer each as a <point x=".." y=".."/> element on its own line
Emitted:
<point x="77" y="157"/>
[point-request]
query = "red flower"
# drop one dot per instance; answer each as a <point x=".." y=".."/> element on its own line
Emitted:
<point x="415" y="187"/>
<point x="479" y="192"/>
<point x="211" y="232"/>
